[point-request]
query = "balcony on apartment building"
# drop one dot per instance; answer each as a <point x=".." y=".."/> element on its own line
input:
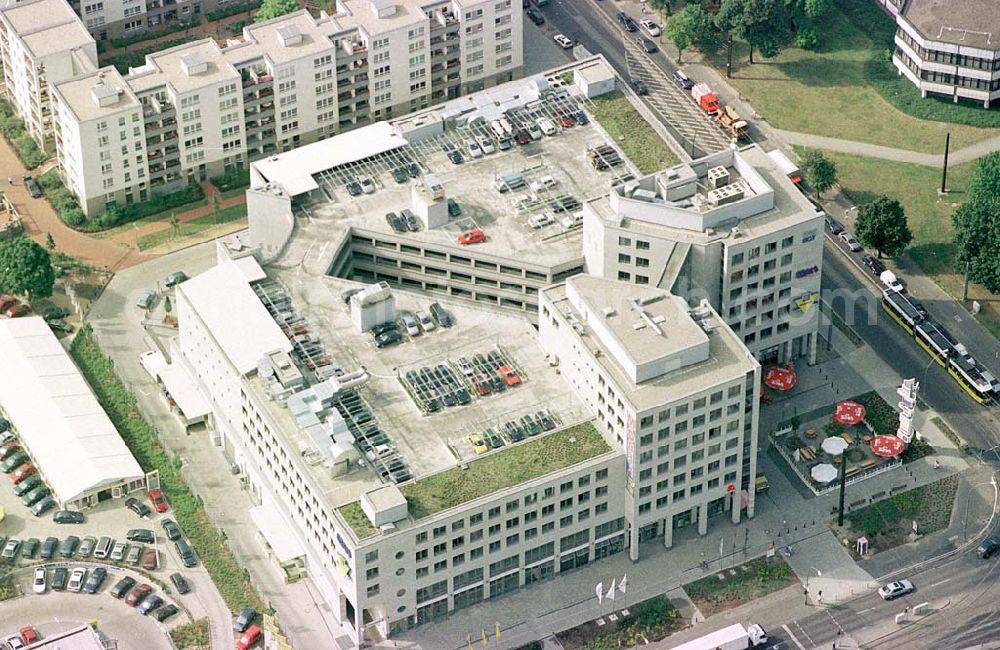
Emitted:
<point x="256" y="77"/>
<point x="443" y="18"/>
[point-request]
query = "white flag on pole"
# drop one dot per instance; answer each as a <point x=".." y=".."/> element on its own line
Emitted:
<point x="611" y="591"/>
<point x="621" y="584"/>
<point x="600" y="592"/>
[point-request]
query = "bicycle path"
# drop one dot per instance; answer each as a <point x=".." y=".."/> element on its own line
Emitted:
<point x="966" y="154"/>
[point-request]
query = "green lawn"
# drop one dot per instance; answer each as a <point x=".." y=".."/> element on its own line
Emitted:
<point x="632" y="133"/>
<point x="929" y="216"/>
<point x="840" y="90"/>
<point x="886" y="523"/>
<point x="357" y="520"/>
<point x="193" y="227"/>
<point x="743" y="583"/>
<point x="503" y="469"/>
<point x="151" y="218"/>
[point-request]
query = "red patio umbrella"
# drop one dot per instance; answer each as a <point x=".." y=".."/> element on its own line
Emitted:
<point x="887" y="445"/>
<point x="780" y="378"/>
<point x="849" y="413"/>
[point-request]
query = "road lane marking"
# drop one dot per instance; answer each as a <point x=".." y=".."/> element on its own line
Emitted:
<point x="941" y="582"/>
<point x="792" y="636"/>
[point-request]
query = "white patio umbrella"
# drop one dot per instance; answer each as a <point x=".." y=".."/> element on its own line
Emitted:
<point x="824" y="473"/>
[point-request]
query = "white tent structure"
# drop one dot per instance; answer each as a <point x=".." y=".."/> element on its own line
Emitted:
<point x="58" y="419"/>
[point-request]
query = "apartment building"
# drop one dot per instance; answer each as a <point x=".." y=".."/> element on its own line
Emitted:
<point x="672" y="385"/>
<point x="729" y="228"/>
<point x="387" y="555"/>
<point x="210" y="109"/>
<point x="42" y="43"/>
<point x="948" y="49"/>
<point x="108" y="19"/>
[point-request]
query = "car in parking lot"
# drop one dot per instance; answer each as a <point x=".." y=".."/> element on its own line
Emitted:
<point x="180" y="583"/>
<point x="68" y="517"/>
<point x="43" y="506"/>
<point x="851" y="242"/>
<point x="143" y="535"/>
<point x="95" y="580"/>
<point x="76" y="579"/>
<point x="134" y="554"/>
<point x="388" y="338"/>
<point x="410" y="324"/>
<point x="989" y="546"/>
<point x="150" y="561"/>
<point x="103" y="548"/>
<point x="13" y="642"/>
<point x="426" y="322"/>
<point x="250" y="637"/>
<point x="186" y="552"/>
<point x="27" y="485"/>
<point x="472" y="237"/>
<point x="60" y="576"/>
<point x="172" y="530"/>
<point x="875" y="265"/>
<point x="31" y="497"/>
<point x="118" y="551"/>
<point x="650" y="27"/>
<point x="13" y="461"/>
<point x="509" y="375"/>
<point x="174" y="279"/>
<point x="68" y="548"/>
<point x="410" y="220"/>
<point x="399" y="175"/>
<point x="165" y="612"/>
<point x="30" y="547"/>
<point x="646" y="44"/>
<point x="681" y="79"/>
<point x="158" y="500"/>
<point x="442" y="317"/>
<point x="563" y="41"/>
<point x="149" y="603"/>
<point x="395" y="222"/>
<point x="478" y="443"/>
<point x="833" y="225"/>
<point x="895" y="589"/>
<point x="22" y="472"/>
<point x="40" y="581"/>
<point x="413" y="170"/>
<point x="55" y="313"/>
<point x="245" y="619"/>
<point x="122" y="587"/>
<point x="29" y="634"/>
<point x="138" y="507"/>
<point x="474" y="149"/>
<point x="138" y="594"/>
<point x="367" y="184"/>
<point x="10" y="549"/>
<point x="49" y="548"/>
<point x="87" y="546"/>
<point x="487" y="146"/>
<point x="354" y="188"/>
<point x="454" y="209"/>
<point x="33" y="189"/>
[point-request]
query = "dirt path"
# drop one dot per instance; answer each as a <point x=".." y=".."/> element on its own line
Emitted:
<point x="39" y="219"/>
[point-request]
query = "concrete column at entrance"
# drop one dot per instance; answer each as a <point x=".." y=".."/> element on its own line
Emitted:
<point x="813" y="344"/>
<point x="735" y="509"/>
<point x="633" y="544"/>
<point x="703" y="519"/>
<point x="668" y="532"/>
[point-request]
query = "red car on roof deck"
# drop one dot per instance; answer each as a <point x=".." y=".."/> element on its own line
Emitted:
<point x="472" y="237"/>
<point x="159" y="501"/>
<point x="17" y="311"/>
<point x="6" y="302"/>
<point x="29" y="634"/>
<point x="510" y="377"/>
<point x="249" y="638"/>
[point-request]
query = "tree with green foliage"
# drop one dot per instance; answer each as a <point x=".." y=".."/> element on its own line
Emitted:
<point x="273" y="8"/>
<point x="167" y="305"/>
<point x="763" y="24"/>
<point x="820" y="170"/>
<point x="689" y="26"/>
<point x="25" y="268"/>
<point x="977" y="236"/>
<point x="50" y="243"/>
<point x="216" y="209"/>
<point x="175" y="224"/>
<point x="985" y="181"/>
<point x="882" y="225"/>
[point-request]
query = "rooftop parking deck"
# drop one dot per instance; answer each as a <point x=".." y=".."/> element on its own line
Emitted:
<point x="423" y="441"/>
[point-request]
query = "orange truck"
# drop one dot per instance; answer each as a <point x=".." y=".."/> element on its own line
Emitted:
<point x="704" y="97"/>
<point x="731" y="120"/>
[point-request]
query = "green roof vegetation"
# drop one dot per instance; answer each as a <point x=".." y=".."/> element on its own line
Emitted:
<point x="503" y="469"/>
<point x="357" y="520"/>
<point x="630" y="131"/>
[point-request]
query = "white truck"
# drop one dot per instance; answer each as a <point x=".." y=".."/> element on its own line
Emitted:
<point x="734" y="637"/>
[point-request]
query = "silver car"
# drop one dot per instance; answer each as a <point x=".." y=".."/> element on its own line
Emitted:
<point x="118" y="552"/>
<point x="896" y="589"/>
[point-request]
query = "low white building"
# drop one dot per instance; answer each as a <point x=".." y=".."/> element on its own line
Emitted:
<point x="58" y="420"/>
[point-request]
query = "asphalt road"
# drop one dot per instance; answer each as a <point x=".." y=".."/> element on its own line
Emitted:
<point x="851" y="288"/>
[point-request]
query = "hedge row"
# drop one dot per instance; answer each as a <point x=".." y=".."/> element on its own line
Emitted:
<point x="62" y="199"/>
<point x="232" y="181"/>
<point x="232" y="10"/>
<point x="146" y="36"/>
<point x="120" y="404"/>
<point x="13" y="129"/>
